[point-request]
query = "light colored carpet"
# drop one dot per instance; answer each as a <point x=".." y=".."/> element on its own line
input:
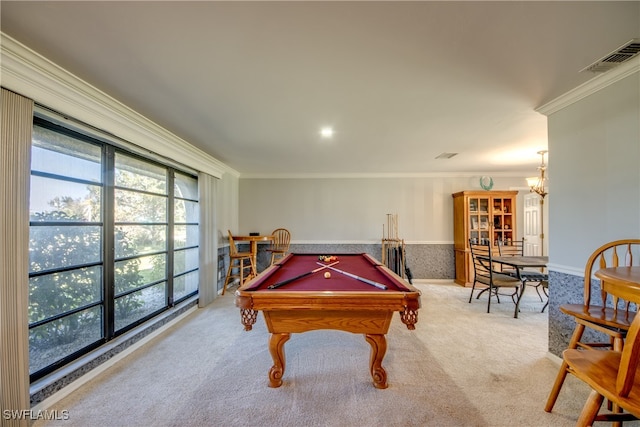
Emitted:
<point x="460" y="367"/>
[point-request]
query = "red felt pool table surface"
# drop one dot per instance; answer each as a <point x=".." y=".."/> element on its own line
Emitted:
<point x="340" y="302"/>
<point x="361" y="265"/>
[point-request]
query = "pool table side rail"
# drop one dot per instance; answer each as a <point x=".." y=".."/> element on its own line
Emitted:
<point x="254" y="297"/>
<point x="327" y="300"/>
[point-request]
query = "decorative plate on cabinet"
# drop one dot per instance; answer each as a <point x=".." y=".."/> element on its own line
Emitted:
<point x="486" y="182"/>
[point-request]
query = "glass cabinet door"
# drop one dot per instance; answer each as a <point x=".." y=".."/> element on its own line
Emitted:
<point x="503" y="221"/>
<point x="479" y="224"/>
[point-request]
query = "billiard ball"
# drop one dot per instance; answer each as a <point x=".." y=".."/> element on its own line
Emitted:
<point x="327" y="275"/>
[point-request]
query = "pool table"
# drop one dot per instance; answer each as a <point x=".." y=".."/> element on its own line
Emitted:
<point x="350" y="300"/>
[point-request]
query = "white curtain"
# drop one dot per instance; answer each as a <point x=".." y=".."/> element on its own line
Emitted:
<point x="208" y="286"/>
<point x="15" y="164"/>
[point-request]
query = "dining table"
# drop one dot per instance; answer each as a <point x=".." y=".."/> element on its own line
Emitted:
<point x="253" y="240"/>
<point x="621" y="281"/>
<point x="518" y="263"/>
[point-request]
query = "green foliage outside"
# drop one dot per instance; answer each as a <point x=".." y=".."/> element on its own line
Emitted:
<point x="61" y="245"/>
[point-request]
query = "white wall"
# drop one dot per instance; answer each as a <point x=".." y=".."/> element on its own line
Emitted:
<point x="355" y="209"/>
<point x="595" y="147"/>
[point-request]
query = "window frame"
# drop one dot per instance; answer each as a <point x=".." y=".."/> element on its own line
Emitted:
<point x="108" y="229"/>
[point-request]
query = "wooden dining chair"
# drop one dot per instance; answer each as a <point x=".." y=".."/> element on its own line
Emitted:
<point x="280" y="244"/>
<point x="241" y="265"/>
<point x="545" y="290"/>
<point x="490" y="280"/>
<point x="597" y="311"/>
<point x="612" y="375"/>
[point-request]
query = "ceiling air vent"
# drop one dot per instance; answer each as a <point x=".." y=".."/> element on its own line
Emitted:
<point x="615" y="58"/>
<point x="446" y="155"/>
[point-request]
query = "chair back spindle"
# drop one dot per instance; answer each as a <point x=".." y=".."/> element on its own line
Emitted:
<point x="280" y="244"/>
<point x="608" y="255"/>
<point x="232" y="244"/>
<point x="281" y="239"/>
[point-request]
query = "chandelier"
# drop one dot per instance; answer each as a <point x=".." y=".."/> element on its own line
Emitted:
<point x="536" y="184"/>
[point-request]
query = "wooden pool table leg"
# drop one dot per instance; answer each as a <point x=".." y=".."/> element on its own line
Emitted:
<point x="276" y="348"/>
<point x="378" y="344"/>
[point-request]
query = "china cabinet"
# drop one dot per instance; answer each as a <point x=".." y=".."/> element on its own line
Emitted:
<point x="484" y="217"/>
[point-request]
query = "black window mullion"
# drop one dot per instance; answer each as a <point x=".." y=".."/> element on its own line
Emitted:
<point x="136" y="190"/>
<point x="63" y="315"/>
<point x="184" y="273"/>
<point x="170" y="236"/>
<point x="188" y="200"/>
<point x="140" y="223"/>
<point x="109" y="242"/>
<point x="141" y="255"/>
<point x="63" y="178"/>
<point x="64" y="223"/>
<point x="133" y="291"/>
<point x="63" y="269"/>
<point x="186" y="248"/>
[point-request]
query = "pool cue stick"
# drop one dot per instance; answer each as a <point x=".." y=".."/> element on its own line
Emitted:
<point x="362" y="279"/>
<point x="395" y="225"/>
<point x="382" y="248"/>
<point x="395" y="258"/>
<point x="284" y="282"/>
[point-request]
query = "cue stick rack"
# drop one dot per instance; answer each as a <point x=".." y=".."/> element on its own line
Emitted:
<point x="393" y="247"/>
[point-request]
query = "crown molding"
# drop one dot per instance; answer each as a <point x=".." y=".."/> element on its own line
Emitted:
<point x="28" y="73"/>
<point x="368" y="242"/>
<point x="592" y="86"/>
<point x="347" y="175"/>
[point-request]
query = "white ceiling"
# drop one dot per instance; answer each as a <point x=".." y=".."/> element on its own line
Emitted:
<point x="251" y="83"/>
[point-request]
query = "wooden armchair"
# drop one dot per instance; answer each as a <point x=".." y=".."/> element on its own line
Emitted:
<point x="489" y="279"/>
<point x="280" y="244"/>
<point x="599" y="315"/>
<point x="611" y="374"/>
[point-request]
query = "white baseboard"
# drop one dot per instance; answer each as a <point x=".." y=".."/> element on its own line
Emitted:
<point x="555" y="359"/>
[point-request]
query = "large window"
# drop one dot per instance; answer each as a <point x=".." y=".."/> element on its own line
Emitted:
<point x="141" y="234"/>
<point x="185" y="236"/>
<point x="113" y="242"/>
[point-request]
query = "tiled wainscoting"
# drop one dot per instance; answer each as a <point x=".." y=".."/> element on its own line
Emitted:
<point x="565" y="289"/>
<point x="425" y="261"/>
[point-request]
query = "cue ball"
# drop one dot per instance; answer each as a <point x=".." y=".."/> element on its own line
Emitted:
<point x="327" y="275"/>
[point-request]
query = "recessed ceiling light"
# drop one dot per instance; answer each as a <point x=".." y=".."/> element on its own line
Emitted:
<point x="326" y="132"/>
